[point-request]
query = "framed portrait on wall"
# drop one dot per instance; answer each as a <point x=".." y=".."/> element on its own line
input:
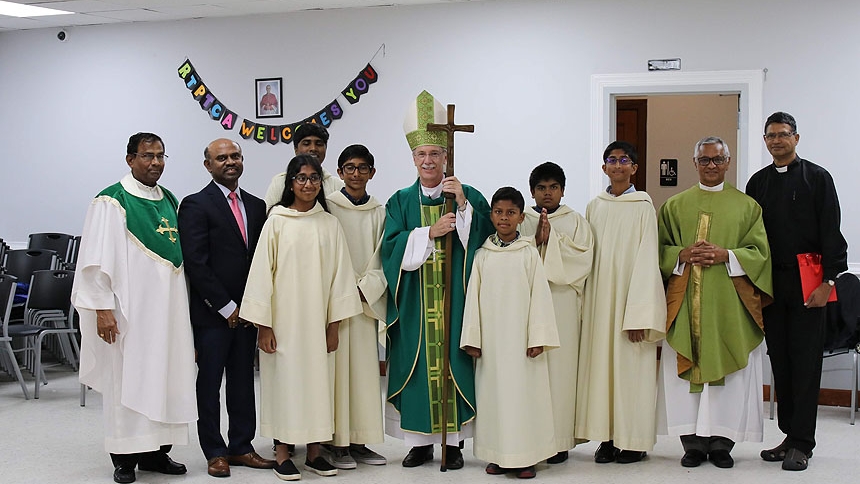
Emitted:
<point x="269" y="95"/>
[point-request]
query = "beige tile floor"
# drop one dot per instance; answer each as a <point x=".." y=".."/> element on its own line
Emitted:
<point x="54" y="440"/>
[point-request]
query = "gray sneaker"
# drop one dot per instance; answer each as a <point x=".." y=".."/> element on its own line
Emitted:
<point x="361" y="453"/>
<point x="340" y="458"/>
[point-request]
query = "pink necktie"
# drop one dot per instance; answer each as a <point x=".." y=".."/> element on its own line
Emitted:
<point x="234" y="205"/>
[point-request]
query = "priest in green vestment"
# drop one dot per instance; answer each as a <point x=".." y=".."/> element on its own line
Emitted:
<point x="715" y="256"/>
<point x="414" y="258"/>
<point x="137" y="347"/>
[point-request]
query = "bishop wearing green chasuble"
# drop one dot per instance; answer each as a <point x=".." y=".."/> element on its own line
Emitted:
<point x="715" y="256"/>
<point x="413" y="260"/>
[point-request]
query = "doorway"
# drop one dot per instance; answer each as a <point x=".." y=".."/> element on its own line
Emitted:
<point x="605" y="88"/>
<point x="664" y="129"/>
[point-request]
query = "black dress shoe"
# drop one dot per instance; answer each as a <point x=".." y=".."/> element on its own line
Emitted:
<point x="630" y="456"/>
<point x="558" y="458"/>
<point x="418" y="455"/>
<point x="453" y="457"/>
<point x="124" y="473"/>
<point x="693" y="458"/>
<point x="606" y="452"/>
<point x="162" y="463"/>
<point x="721" y="458"/>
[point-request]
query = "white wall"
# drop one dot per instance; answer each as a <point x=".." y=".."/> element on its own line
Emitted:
<point x="518" y="70"/>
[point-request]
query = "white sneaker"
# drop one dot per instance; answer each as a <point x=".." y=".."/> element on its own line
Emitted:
<point x="340" y="458"/>
<point x="361" y="453"/>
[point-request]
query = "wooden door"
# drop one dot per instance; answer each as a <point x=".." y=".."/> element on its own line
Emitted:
<point x="631" y="126"/>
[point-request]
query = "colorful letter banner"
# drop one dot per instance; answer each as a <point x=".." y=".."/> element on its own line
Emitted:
<point x="261" y="132"/>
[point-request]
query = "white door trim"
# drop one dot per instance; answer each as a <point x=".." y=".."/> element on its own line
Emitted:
<point x="749" y="84"/>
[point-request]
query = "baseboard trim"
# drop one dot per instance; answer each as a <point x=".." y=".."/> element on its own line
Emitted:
<point x="830" y="397"/>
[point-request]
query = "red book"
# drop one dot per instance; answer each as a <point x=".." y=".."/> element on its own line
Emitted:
<point x="812" y="275"/>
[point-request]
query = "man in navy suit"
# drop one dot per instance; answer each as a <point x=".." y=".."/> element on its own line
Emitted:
<point x="220" y="226"/>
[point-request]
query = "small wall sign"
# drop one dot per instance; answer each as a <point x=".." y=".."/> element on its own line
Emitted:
<point x="668" y="172"/>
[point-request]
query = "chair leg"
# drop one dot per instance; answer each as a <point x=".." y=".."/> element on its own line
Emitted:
<point x="40" y="373"/>
<point x="14" y="364"/>
<point x="854" y="387"/>
<point x="83" y="395"/>
<point x="28" y="355"/>
<point x="76" y="352"/>
<point x="66" y="349"/>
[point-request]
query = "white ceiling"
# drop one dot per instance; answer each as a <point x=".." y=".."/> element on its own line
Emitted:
<point x="94" y="12"/>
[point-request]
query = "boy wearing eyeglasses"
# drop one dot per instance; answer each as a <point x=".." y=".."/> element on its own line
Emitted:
<point x="624" y="315"/>
<point x="565" y="243"/>
<point x="357" y="398"/>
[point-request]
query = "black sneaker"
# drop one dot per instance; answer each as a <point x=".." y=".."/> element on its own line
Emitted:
<point x="321" y="467"/>
<point x="286" y="471"/>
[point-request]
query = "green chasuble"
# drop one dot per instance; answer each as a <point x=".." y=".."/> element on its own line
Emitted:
<point x="151" y="223"/>
<point x="714" y="320"/>
<point x="415" y="313"/>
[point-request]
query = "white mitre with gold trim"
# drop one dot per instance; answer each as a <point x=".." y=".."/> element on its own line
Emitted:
<point x="425" y="110"/>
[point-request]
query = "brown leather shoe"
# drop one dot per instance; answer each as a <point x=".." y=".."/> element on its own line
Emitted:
<point x="251" y="459"/>
<point x="218" y="467"/>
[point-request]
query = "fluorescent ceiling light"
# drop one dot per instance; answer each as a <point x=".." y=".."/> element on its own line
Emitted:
<point x="18" y="10"/>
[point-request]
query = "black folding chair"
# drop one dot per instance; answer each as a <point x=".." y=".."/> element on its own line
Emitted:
<point x="59" y="243"/>
<point x="9" y="360"/>
<point x="21" y="263"/>
<point x="49" y="311"/>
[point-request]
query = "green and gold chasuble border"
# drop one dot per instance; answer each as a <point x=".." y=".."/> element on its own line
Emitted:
<point x="703" y="232"/>
<point x="432" y="301"/>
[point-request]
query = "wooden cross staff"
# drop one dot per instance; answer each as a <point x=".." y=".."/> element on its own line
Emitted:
<point x="450" y="128"/>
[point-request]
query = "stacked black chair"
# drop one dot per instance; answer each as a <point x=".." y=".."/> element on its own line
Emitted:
<point x="3" y="248"/>
<point x="62" y="244"/>
<point x="7" y="354"/>
<point x="48" y="311"/>
<point x="21" y="263"/>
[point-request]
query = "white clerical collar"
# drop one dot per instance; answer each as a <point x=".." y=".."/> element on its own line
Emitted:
<point x="226" y="191"/>
<point x="431" y="193"/>
<point x="781" y="169"/>
<point x="630" y="189"/>
<point x="716" y="188"/>
<point x="138" y="189"/>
